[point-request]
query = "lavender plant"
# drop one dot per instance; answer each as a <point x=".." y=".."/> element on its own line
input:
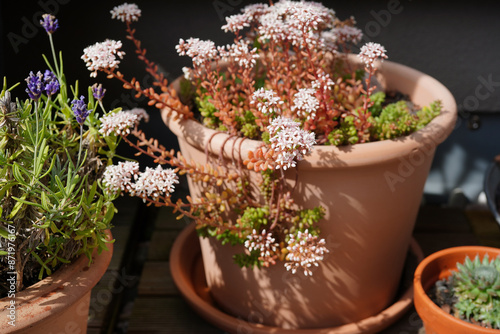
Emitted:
<point x="288" y="80"/>
<point x="52" y="156"/>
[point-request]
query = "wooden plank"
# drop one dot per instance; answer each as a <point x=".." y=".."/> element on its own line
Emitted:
<point x="122" y="221"/>
<point x="166" y="220"/>
<point x="101" y="302"/>
<point x="156" y="280"/>
<point x="160" y="244"/>
<point x="170" y="315"/>
<point x="100" y="299"/>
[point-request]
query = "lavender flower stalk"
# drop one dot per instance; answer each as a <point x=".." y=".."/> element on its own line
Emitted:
<point x="80" y="110"/>
<point x="98" y="91"/>
<point x="51" y="24"/>
<point x="81" y="113"/>
<point x="34" y="90"/>
<point x="51" y="84"/>
<point x="35" y="85"/>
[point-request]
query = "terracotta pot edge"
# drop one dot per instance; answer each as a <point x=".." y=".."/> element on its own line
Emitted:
<point x="344" y="156"/>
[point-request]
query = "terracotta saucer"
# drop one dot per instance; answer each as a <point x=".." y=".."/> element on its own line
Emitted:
<point x="188" y="274"/>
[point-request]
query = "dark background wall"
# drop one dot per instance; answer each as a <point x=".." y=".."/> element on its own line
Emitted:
<point x="457" y="43"/>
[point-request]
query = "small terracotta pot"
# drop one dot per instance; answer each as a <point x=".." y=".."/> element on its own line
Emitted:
<point x="59" y="303"/>
<point x="437" y="266"/>
<point x="371" y="192"/>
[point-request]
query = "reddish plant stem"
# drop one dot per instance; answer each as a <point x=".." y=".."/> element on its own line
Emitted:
<point x="161" y="160"/>
<point x="150" y="66"/>
<point x="179" y="206"/>
<point x="186" y="113"/>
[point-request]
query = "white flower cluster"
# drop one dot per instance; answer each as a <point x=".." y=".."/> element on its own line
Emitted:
<point x="305" y="103"/>
<point x="126" y="12"/>
<point x="140" y="113"/>
<point x="250" y="13"/>
<point x="118" y="123"/>
<point x="101" y="56"/>
<point x="329" y="41"/>
<point x="188" y="75"/>
<point x="306" y="14"/>
<point x="304" y="250"/>
<point x="151" y="183"/>
<point x="265" y="244"/>
<point x="267" y="101"/>
<point x="119" y="177"/>
<point x="347" y="34"/>
<point x="235" y="23"/>
<point x="289" y="141"/>
<point x="154" y="182"/>
<point x="240" y="53"/>
<point x="323" y="82"/>
<point x="199" y="51"/>
<point x="292" y="21"/>
<point x="272" y="27"/>
<point x="371" y="52"/>
<point x="297" y="22"/>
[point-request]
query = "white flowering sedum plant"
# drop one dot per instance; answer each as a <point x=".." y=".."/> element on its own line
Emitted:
<point x="52" y="157"/>
<point x="286" y="80"/>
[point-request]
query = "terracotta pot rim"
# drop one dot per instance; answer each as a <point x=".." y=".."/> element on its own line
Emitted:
<point x="421" y="294"/>
<point x="329" y="156"/>
<point x="77" y="276"/>
<point x="183" y="256"/>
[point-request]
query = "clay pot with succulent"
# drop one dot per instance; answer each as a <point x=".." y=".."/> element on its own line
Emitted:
<point x="301" y="159"/>
<point x="457" y="290"/>
<point x="55" y="218"/>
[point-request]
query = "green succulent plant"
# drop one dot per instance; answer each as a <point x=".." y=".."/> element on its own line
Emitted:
<point x="476" y="287"/>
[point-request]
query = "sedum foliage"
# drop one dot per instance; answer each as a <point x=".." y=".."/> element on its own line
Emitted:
<point x="388" y="121"/>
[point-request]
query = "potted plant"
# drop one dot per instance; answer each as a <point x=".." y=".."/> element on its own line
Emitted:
<point x="300" y="170"/>
<point x="457" y="290"/>
<point x="55" y="218"/>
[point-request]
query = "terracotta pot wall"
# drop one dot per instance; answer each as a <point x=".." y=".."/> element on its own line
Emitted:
<point x="372" y="193"/>
<point x="60" y="302"/>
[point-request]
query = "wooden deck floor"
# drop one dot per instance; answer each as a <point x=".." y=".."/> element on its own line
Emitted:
<point x="137" y="294"/>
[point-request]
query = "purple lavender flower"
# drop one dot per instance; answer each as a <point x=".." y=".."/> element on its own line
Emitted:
<point x="98" y="91"/>
<point x="49" y="23"/>
<point x="80" y="109"/>
<point x="35" y="85"/>
<point x="51" y="83"/>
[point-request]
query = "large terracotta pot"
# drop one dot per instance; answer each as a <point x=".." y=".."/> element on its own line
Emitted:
<point x="437" y="266"/>
<point x="371" y="193"/>
<point x="59" y="303"/>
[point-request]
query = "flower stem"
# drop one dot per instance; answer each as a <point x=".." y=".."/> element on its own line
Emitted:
<point x="55" y="58"/>
<point x="80" y="147"/>
<point x="35" y="150"/>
